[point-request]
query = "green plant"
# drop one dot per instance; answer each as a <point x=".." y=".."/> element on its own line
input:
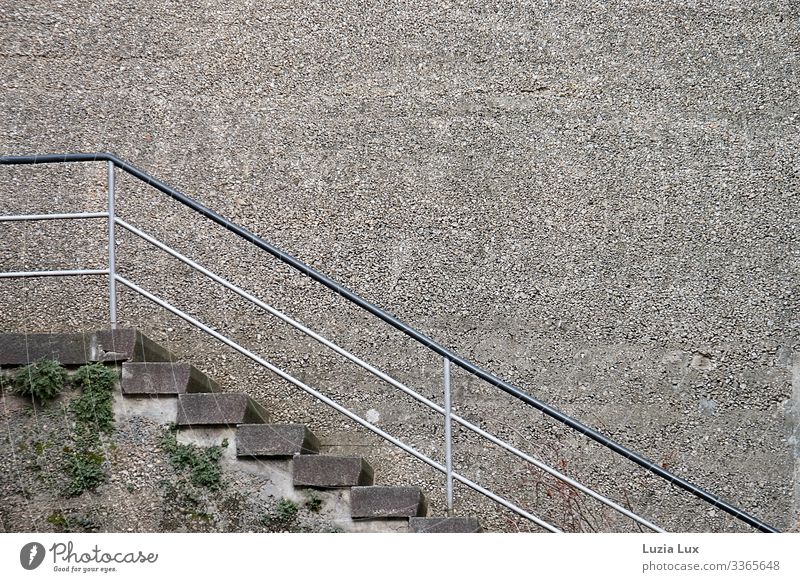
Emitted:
<point x="94" y="415"/>
<point x="57" y="520"/>
<point x="40" y="447"/>
<point x="93" y="409"/>
<point x="42" y="381"/>
<point x="202" y="463"/>
<point x="97" y="376"/>
<point x="313" y="503"/>
<point x="86" y="471"/>
<point x="286" y="510"/>
<point x="281" y="517"/>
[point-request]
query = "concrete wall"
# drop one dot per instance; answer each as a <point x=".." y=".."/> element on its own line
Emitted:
<point x="597" y="201"/>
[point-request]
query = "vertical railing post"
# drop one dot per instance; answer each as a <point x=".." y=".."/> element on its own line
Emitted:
<point x="448" y="438"/>
<point x="112" y="249"/>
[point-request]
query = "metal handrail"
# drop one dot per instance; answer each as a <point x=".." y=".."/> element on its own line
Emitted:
<point x="387" y="318"/>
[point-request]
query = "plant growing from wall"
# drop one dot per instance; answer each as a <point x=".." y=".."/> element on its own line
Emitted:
<point x="42" y="380"/>
<point x="281" y="517"/>
<point x="94" y="416"/>
<point x="286" y="510"/>
<point x="93" y="409"/>
<point x="314" y="503"/>
<point x="201" y="463"/>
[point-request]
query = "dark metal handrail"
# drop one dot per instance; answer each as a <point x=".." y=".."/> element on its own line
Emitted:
<point x="397" y="324"/>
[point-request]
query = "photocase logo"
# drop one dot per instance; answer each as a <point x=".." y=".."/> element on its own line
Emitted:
<point x="31" y="555"/>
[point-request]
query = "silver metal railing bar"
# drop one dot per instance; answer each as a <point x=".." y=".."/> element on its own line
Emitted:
<point x="112" y="250"/>
<point x="385" y="377"/>
<point x="64" y="273"/>
<point x="332" y="403"/>
<point x="448" y="437"/>
<point x="69" y="216"/>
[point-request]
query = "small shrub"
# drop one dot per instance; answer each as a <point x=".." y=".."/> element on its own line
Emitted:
<point x="42" y="381"/>
<point x="313" y="503"/>
<point x="94" y="415"/>
<point x="202" y="463"/>
<point x="86" y="471"/>
<point x="286" y="510"/>
<point x="93" y="409"/>
<point x="281" y="517"/>
<point x="95" y="377"/>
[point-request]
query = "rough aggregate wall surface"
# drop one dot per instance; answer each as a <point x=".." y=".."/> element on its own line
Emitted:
<point x="597" y="201"/>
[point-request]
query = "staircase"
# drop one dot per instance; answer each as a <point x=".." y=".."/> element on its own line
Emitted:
<point x="156" y="386"/>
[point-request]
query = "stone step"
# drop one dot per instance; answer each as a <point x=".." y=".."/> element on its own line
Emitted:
<point x="163" y="379"/>
<point x="76" y="349"/>
<point x="325" y="471"/>
<point x="275" y="440"/>
<point x="381" y="502"/>
<point x="214" y="409"/>
<point x="444" y="525"/>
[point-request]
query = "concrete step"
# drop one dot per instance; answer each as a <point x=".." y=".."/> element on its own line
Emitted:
<point x="76" y="349"/>
<point x="444" y="525"/>
<point x="325" y="471"/>
<point x="381" y="502"/>
<point x="163" y="379"/>
<point x="219" y="409"/>
<point x="275" y="440"/>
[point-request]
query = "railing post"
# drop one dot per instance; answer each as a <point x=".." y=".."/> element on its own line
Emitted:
<point x="112" y="249"/>
<point x="448" y="438"/>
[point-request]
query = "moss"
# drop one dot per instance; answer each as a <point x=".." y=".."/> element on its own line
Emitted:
<point x="71" y="522"/>
<point x="57" y="520"/>
<point x="39" y="447"/>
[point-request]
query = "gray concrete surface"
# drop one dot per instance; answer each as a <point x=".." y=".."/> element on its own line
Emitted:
<point x="793" y="414"/>
<point x="597" y="201"/>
